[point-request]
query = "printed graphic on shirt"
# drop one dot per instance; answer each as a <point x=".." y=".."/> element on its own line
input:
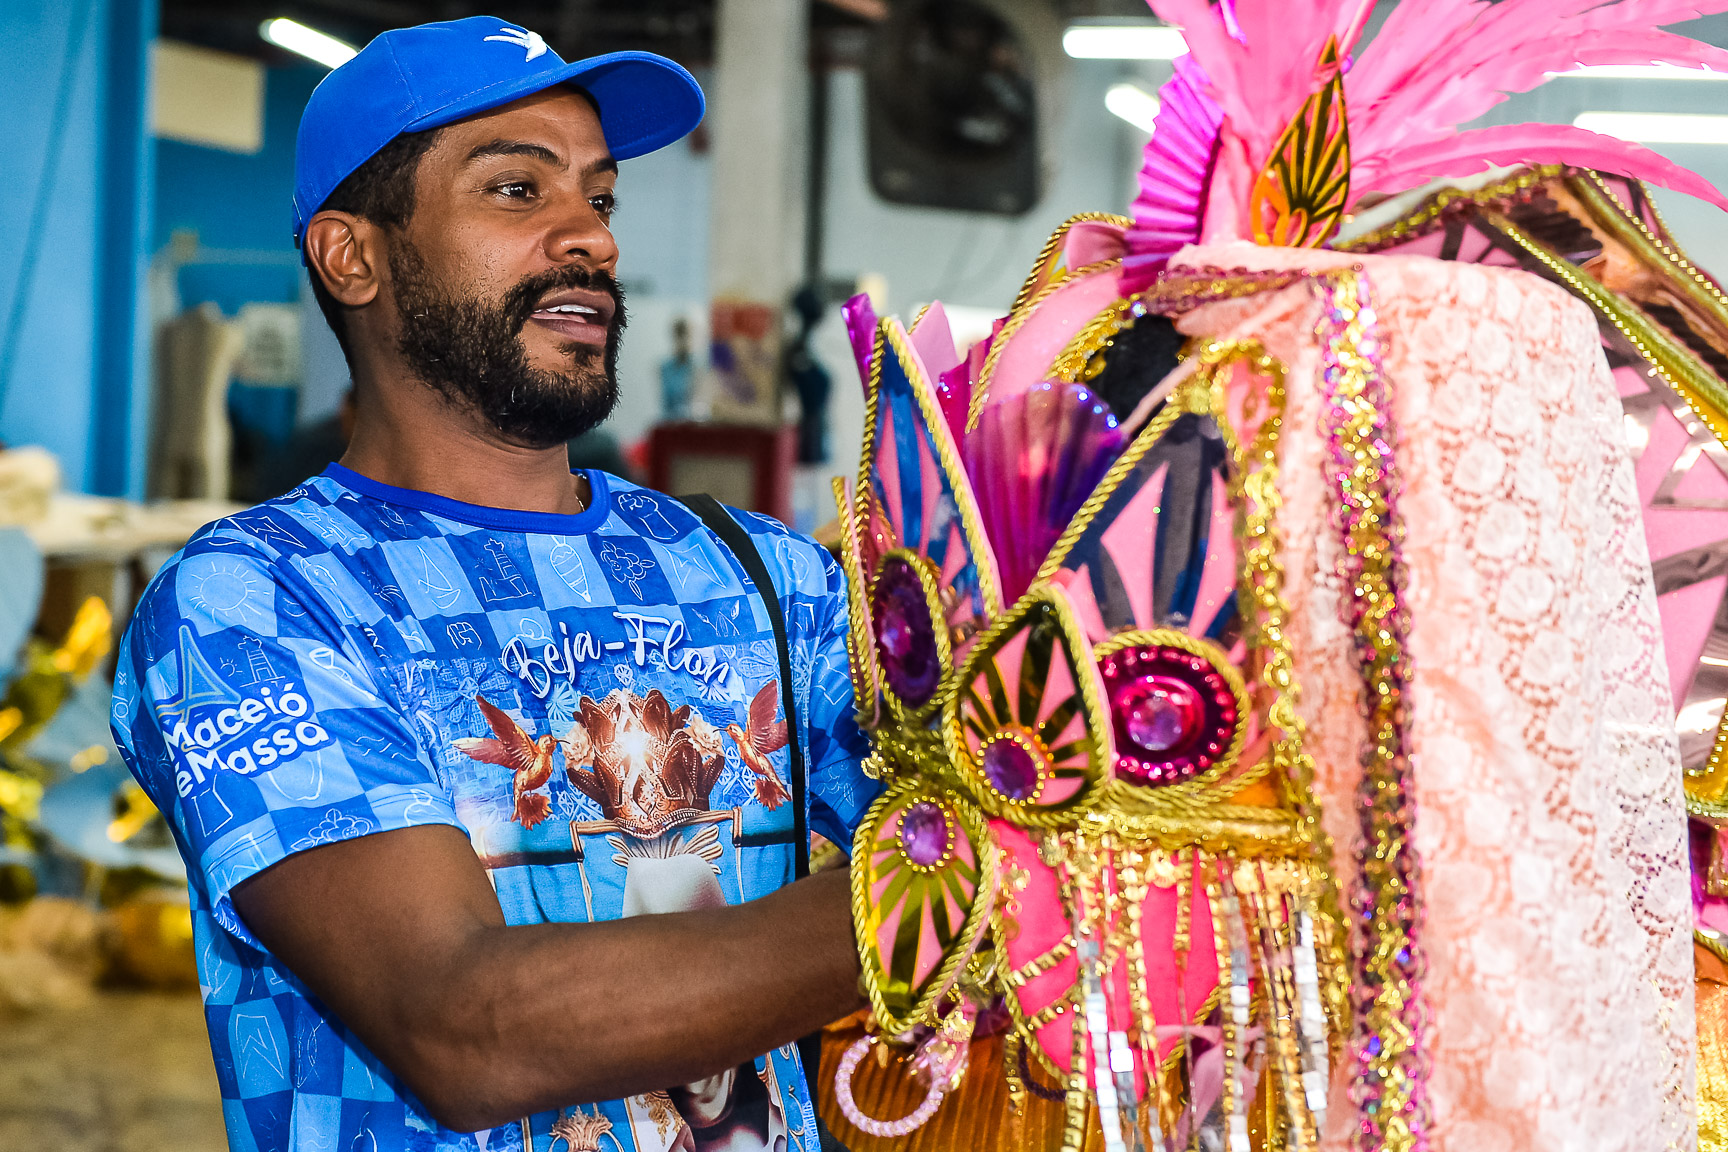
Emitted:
<point x="243" y="730"/>
<point x="596" y="701"/>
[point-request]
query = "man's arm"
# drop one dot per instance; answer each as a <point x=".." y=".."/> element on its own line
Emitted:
<point x="401" y="935"/>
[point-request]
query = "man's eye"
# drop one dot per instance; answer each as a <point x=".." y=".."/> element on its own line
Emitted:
<point x="605" y="204"/>
<point x="515" y="190"/>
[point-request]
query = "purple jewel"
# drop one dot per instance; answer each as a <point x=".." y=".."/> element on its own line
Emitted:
<point x="905" y="635"/>
<point x="1162" y="713"/>
<point x="924" y="833"/>
<point x="1011" y="769"/>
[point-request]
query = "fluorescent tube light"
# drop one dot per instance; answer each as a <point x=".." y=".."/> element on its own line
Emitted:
<point x="1133" y="104"/>
<point x="1124" y="41"/>
<point x="1657" y="127"/>
<point x="308" y="42"/>
<point x="1641" y="72"/>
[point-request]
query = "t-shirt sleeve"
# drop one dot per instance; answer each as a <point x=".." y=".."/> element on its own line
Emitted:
<point x="245" y="710"/>
<point x="840" y="793"/>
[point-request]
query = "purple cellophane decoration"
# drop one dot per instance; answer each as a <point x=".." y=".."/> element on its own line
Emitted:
<point x="1173" y="175"/>
<point x="954" y="397"/>
<point x="1033" y="459"/>
<point x="861" y="330"/>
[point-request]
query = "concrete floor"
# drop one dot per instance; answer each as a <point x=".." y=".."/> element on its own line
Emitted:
<point x="126" y="1072"/>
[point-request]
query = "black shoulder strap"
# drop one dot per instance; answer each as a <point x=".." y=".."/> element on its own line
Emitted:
<point x="720" y="522"/>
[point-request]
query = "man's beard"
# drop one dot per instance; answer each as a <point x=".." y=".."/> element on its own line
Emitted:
<point x="470" y="350"/>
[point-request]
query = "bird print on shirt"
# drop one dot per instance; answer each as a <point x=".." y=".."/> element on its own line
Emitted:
<point x="765" y="737"/>
<point x="529" y="759"/>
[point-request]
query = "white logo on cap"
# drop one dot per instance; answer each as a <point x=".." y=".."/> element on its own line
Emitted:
<point x="522" y="39"/>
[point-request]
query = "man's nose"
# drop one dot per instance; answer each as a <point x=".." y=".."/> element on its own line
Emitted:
<point x="582" y="235"/>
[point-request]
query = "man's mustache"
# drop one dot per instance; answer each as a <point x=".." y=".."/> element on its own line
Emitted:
<point x="522" y="300"/>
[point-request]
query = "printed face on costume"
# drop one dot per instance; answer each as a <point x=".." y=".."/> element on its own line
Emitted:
<point x="503" y="280"/>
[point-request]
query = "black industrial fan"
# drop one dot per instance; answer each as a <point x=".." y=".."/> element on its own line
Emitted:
<point x="953" y="109"/>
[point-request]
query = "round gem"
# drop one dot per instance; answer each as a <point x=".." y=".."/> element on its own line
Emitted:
<point x="1162" y="713"/>
<point x="1174" y="712"/>
<point x="905" y="634"/>
<point x="924" y="833"/>
<point x="1011" y="769"/>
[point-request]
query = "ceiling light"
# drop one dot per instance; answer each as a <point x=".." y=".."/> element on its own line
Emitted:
<point x="308" y="42"/>
<point x="1122" y="40"/>
<point x="1134" y="104"/>
<point x="1640" y="72"/>
<point x="1657" y="127"/>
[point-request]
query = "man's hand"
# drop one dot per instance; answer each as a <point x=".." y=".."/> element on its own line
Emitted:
<point x="401" y="935"/>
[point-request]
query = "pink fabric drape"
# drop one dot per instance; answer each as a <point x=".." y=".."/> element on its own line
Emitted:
<point x="1551" y="823"/>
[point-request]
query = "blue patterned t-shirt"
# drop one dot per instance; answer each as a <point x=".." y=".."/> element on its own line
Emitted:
<point x="594" y="699"/>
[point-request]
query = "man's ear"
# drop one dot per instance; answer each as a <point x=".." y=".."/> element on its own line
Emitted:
<point x="347" y="253"/>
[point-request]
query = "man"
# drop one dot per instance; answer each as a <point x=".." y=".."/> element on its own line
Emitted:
<point x="437" y="729"/>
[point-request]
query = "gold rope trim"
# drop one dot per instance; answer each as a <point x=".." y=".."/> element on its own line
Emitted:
<point x="1017" y="320"/>
<point x="1041" y="267"/>
<point x="1095" y="714"/>
<point x="864" y="923"/>
<point x="954" y="472"/>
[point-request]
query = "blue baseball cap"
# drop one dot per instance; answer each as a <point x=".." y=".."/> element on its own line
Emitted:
<point x="413" y="79"/>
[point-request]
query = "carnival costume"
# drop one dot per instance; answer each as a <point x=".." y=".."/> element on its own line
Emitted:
<point x="1280" y="739"/>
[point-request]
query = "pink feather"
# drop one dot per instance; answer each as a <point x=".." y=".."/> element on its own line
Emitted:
<point x="1468" y="153"/>
<point x="1259" y="83"/>
<point x="1431" y="95"/>
<point x="1435" y="64"/>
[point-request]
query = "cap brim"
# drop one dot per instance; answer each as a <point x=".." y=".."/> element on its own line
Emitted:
<point x="646" y="101"/>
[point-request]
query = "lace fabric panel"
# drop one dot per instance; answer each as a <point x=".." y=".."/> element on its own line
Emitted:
<point x="1550" y="819"/>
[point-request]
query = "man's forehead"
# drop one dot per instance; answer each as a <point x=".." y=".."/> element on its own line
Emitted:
<point x="560" y="120"/>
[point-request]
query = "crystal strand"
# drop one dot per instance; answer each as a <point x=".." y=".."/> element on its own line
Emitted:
<point x="1120" y="1049"/>
<point x="1285" y="1044"/>
<point x="1312" y="1019"/>
<point x="1136" y="884"/>
<point x="1074" y="1107"/>
<point x="1113" y="1088"/>
<point x="1121" y="1063"/>
<point x="1059" y="852"/>
<point x="1236" y="1026"/>
<point x="1179" y="945"/>
<point x="1098" y="1026"/>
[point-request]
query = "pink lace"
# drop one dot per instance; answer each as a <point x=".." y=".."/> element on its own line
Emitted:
<point x="1552" y="833"/>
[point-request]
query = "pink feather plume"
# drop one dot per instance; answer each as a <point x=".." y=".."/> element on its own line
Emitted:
<point x="1468" y="153"/>
<point x="1434" y="64"/>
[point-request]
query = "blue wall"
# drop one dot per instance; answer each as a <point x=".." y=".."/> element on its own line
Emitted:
<point x="73" y="81"/>
<point x="239" y="204"/>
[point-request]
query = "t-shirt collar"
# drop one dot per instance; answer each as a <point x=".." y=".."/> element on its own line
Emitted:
<point x="502" y="519"/>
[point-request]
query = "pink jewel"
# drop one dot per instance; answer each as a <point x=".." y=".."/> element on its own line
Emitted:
<point x="1162" y="714"/>
<point x="1168" y="708"/>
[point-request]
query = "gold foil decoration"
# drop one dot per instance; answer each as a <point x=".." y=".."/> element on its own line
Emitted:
<point x="1300" y="196"/>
